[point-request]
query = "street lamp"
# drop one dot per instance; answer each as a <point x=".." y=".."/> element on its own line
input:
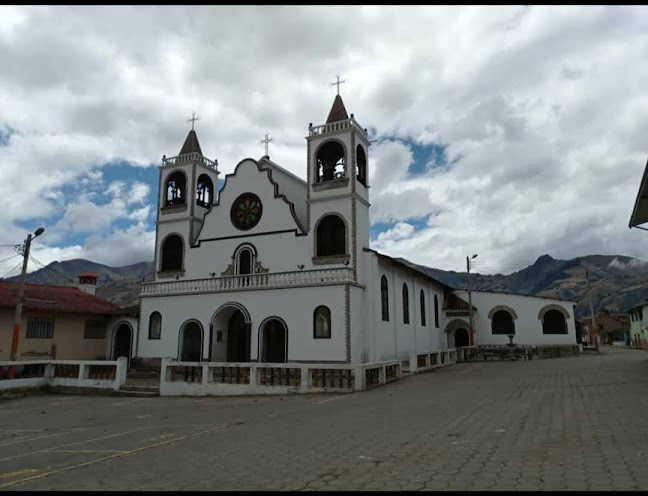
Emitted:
<point x="21" y="298"/>
<point x="470" y="307"/>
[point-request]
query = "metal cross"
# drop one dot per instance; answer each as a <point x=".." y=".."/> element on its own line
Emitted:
<point x="266" y="140"/>
<point x="338" y="83"/>
<point x="193" y="119"/>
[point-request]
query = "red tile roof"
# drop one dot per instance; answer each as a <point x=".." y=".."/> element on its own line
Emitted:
<point x="65" y="299"/>
<point x="88" y="274"/>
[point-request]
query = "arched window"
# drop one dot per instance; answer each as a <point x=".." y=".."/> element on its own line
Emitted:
<point x="244" y="261"/>
<point x="502" y="323"/>
<point x="361" y="165"/>
<point x="405" y="304"/>
<point x="554" y="323"/>
<point x="331" y="236"/>
<point x="422" y="294"/>
<point x="172" y="253"/>
<point x="322" y="323"/>
<point x="331" y="163"/>
<point x="436" y="311"/>
<point x="204" y="191"/>
<point x="155" y="325"/>
<point x="175" y="189"/>
<point x="384" y="299"/>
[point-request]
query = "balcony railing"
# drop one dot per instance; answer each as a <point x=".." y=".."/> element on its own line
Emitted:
<point x="190" y="157"/>
<point x="247" y="282"/>
<point x="336" y="126"/>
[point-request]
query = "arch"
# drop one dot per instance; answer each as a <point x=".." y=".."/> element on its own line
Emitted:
<point x="175" y="189"/>
<point x="172" y="253"/>
<point x="229" y="334"/>
<point x="155" y="325"/>
<point x="273" y="340"/>
<point x="330" y="161"/>
<point x="190" y="341"/>
<point x="122" y="340"/>
<point x="322" y="322"/>
<point x="384" y="298"/>
<point x="502" y="322"/>
<point x="554" y="322"/>
<point x="422" y="303"/>
<point x="330" y="231"/>
<point x="436" y="311"/>
<point x="204" y="191"/>
<point x="361" y="165"/>
<point x="406" y="319"/>
<point x="452" y="327"/>
<point x="502" y="307"/>
<point x="461" y="337"/>
<point x="547" y="308"/>
<point x="244" y="259"/>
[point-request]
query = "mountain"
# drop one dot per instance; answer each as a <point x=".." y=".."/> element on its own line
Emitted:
<point x="618" y="282"/>
<point x="121" y="285"/>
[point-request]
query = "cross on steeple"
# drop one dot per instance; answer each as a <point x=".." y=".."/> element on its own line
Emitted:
<point x="266" y="140"/>
<point x="193" y="119"/>
<point x="338" y="83"/>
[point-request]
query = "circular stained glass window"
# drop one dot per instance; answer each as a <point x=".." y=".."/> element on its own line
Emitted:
<point x="246" y="211"/>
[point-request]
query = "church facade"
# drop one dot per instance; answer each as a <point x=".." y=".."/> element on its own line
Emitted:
<point x="275" y="269"/>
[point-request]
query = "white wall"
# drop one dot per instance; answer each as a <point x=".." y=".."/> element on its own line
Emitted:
<point x="290" y="185"/>
<point x="528" y="328"/>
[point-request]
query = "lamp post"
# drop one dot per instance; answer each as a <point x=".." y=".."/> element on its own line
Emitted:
<point x="470" y="307"/>
<point x="21" y="298"/>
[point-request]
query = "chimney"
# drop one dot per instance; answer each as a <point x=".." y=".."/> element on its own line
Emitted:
<point x="88" y="282"/>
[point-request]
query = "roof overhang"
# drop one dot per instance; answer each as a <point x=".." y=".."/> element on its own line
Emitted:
<point x="640" y="211"/>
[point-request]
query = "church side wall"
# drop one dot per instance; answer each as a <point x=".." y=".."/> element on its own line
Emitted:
<point x="295" y="306"/>
<point x="528" y="328"/>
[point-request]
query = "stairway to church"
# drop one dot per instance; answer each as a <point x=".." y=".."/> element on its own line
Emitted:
<point x="143" y="381"/>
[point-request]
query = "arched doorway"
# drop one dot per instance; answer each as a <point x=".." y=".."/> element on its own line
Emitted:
<point x="461" y="338"/>
<point x="122" y="339"/>
<point x="230" y="334"/>
<point x="273" y="336"/>
<point x="191" y="342"/>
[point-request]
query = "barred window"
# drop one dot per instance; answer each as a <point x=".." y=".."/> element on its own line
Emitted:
<point x="42" y="328"/>
<point x="94" y="329"/>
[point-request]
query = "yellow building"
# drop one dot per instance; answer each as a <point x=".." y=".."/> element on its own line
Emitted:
<point x="66" y="323"/>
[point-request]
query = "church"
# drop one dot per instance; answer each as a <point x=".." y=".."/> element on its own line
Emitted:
<point x="275" y="269"/>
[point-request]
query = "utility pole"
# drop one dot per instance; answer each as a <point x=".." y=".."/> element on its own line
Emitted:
<point x="19" y="303"/>
<point x="470" y="307"/>
<point x="591" y="305"/>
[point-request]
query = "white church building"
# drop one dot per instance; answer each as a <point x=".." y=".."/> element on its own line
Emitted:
<point x="275" y="269"/>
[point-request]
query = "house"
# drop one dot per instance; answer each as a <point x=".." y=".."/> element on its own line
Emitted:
<point x="274" y="268"/>
<point x="66" y="323"/>
<point x="638" y="326"/>
<point x="613" y="327"/>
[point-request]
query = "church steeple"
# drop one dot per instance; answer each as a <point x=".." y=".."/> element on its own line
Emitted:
<point x="338" y="111"/>
<point x="191" y="144"/>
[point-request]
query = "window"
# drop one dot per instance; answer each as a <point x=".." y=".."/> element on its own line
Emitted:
<point x="244" y="261"/>
<point x="384" y="299"/>
<point x="204" y="191"/>
<point x="422" y="308"/>
<point x="405" y="304"/>
<point x="502" y="323"/>
<point x="42" y="328"/>
<point x="94" y="329"/>
<point x="155" y="325"/>
<point x="331" y="236"/>
<point x="554" y="323"/>
<point x="322" y="323"/>
<point x="175" y="190"/>
<point x="331" y="163"/>
<point x="436" y="311"/>
<point x="172" y="253"/>
<point x="361" y="164"/>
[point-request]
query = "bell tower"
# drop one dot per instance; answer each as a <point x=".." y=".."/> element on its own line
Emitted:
<point x="187" y="190"/>
<point x="338" y="190"/>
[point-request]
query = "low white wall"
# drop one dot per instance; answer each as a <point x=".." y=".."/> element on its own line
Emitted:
<point x="428" y="360"/>
<point x="301" y="378"/>
<point x="82" y="378"/>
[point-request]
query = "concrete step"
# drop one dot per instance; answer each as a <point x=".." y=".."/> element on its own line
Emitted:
<point x="143" y="374"/>
<point x="149" y="388"/>
<point x="126" y="392"/>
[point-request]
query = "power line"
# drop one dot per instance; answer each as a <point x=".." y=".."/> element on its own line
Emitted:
<point x="9" y="258"/>
<point x="5" y="276"/>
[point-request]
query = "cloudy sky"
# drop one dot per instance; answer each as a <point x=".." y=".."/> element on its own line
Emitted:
<point x="510" y="132"/>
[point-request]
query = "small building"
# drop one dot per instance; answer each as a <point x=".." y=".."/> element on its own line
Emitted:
<point x="65" y="322"/>
<point x="613" y="328"/>
<point x="638" y="327"/>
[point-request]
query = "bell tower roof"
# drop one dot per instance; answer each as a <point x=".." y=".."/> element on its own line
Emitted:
<point x="191" y="144"/>
<point x="338" y="111"/>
